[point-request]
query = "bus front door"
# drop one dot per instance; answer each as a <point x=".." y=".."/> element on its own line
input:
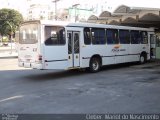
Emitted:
<point x="73" y="49"/>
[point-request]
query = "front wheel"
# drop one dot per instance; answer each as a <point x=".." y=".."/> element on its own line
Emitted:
<point x="94" y="65"/>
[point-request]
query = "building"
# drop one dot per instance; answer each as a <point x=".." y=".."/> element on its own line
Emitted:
<point x="35" y="9"/>
<point x="38" y="12"/>
<point x="87" y="8"/>
<point x="136" y="17"/>
<point x="79" y="13"/>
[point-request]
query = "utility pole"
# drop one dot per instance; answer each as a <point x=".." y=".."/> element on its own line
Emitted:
<point x="75" y="7"/>
<point x="10" y="34"/>
<point x="55" y="1"/>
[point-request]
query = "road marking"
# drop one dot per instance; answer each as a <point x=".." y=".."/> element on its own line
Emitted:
<point x="11" y="98"/>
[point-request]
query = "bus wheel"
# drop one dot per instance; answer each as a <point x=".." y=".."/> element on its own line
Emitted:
<point x="94" y="65"/>
<point x="142" y="59"/>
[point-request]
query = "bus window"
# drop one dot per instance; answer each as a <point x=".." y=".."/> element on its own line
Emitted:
<point x="28" y="34"/>
<point x="87" y="36"/>
<point x="76" y="43"/>
<point x="95" y="38"/>
<point x="98" y="36"/>
<point x="112" y="36"/>
<point x="69" y="35"/>
<point x="135" y="37"/>
<point x="54" y="35"/>
<point x="124" y="36"/>
<point x="102" y="36"/>
<point x="144" y="37"/>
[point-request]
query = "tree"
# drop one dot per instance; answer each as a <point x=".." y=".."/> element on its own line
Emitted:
<point x="10" y="20"/>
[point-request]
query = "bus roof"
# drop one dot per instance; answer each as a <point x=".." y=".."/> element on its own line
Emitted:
<point x="69" y="24"/>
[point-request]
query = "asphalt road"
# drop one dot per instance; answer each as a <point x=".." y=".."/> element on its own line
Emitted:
<point x="116" y="89"/>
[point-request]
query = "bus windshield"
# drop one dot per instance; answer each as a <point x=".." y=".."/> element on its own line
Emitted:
<point x="28" y="34"/>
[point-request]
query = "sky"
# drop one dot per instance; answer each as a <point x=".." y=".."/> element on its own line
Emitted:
<point x="114" y="3"/>
<point x="22" y="5"/>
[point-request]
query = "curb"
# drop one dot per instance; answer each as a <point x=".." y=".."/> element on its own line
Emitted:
<point x="8" y="57"/>
<point x="149" y="64"/>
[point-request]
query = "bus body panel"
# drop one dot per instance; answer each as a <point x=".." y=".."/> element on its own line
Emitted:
<point x="121" y="53"/>
<point x="43" y="56"/>
<point x="55" y="57"/>
<point x="135" y="50"/>
<point x="28" y="54"/>
<point x="108" y="57"/>
<point x="29" y="47"/>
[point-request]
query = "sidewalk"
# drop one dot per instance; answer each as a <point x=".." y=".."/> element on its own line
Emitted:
<point x="5" y="52"/>
<point x="149" y="64"/>
<point x="6" y="48"/>
<point x="9" y="55"/>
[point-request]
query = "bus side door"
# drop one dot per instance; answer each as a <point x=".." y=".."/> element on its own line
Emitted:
<point x="73" y="49"/>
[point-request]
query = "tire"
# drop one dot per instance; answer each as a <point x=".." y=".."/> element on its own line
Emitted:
<point x="142" y="59"/>
<point x="94" y="65"/>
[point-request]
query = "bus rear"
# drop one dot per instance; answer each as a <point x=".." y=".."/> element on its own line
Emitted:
<point x="29" y="46"/>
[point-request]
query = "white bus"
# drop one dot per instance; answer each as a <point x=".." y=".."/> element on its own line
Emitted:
<point x="61" y="45"/>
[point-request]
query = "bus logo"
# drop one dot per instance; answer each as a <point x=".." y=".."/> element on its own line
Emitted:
<point x="117" y="46"/>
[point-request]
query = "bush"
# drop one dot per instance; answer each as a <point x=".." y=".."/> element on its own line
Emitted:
<point x="5" y="39"/>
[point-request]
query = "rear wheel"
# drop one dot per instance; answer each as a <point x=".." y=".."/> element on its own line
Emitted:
<point x="142" y="58"/>
<point x="94" y="65"/>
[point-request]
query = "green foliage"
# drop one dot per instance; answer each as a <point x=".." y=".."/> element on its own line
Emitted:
<point x="5" y="40"/>
<point x="10" y="20"/>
